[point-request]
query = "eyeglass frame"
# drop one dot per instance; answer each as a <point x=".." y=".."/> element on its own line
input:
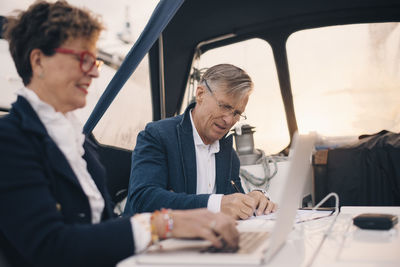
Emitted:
<point x="224" y="107"/>
<point x="96" y="62"/>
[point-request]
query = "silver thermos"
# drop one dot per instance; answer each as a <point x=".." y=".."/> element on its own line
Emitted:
<point x="244" y="142"/>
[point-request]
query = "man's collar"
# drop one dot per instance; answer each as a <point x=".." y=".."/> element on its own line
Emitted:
<point x="196" y="136"/>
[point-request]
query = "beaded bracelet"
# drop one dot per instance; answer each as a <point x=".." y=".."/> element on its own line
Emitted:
<point x="154" y="233"/>
<point x="169" y="225"/>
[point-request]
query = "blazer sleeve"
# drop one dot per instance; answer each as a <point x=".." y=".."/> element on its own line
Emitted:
<point x="32" y="224"/>
<point x="235" y="173"/>
<point x="149" y="178"/>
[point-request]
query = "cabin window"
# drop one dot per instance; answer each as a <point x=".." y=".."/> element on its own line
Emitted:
<point x="346" y="79"/>
<point x="9" y="78"/>
<point x="265" y="109"/>
<point x="130" y="111"/>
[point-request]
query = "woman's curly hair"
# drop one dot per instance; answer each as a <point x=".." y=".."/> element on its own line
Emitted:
<point x="46" y="26"/>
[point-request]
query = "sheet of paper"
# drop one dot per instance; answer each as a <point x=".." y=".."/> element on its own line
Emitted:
<point x="302" y="215"/>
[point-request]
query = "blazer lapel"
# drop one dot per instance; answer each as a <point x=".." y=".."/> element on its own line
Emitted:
<point x="31" y="122"/>
<point x="223" y="164"/>
<point x="188" y="153"/>
<point x="58" y="162"/>
<point x="98" y="173"/>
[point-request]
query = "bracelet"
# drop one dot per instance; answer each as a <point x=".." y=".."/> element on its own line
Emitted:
<point x="169" y="223"/>
<point x="154" y="233"/>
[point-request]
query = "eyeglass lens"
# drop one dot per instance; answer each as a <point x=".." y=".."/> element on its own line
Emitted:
<point x="87" y="62"/>
<point x="225" y="108"/>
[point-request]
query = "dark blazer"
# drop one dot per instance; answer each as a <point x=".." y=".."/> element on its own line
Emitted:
<point x="45" y="215"/>
<point x="164" y="167"/>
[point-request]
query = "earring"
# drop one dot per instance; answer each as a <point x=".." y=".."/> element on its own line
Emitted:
<point x="41" y="75"/>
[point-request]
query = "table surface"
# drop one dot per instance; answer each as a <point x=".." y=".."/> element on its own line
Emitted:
<point x="310" y="243"/>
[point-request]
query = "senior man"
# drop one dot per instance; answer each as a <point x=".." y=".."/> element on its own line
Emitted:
<point x="188" y="161"/>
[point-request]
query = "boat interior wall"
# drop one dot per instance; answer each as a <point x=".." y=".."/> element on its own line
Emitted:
<point x="117" y="162"/>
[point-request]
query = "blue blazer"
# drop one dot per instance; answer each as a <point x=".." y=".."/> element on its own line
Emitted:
<point x="45" y="217"/>
<point x="164" y="167"/>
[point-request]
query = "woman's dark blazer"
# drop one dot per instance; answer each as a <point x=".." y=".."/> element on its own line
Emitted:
<point x="45" y="217"/>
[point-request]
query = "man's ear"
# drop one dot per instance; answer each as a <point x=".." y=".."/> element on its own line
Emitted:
<point x="36" y="60"/>
<point x="200" y="92"/>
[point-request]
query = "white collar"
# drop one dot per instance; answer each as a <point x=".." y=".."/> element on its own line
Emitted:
<point x="65" y="130"/>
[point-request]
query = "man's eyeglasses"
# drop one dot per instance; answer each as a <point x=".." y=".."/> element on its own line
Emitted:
<point x="226" y="109"/>
<point x="87" y="60"/>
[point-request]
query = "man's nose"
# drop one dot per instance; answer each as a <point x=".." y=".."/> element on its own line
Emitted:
<point x="229" y="118"/>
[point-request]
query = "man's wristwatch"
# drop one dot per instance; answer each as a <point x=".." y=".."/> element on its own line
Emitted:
<point x="262" y="191"/>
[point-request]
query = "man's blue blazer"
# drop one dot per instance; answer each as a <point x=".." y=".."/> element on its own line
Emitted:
<point x="164" y="172"/>
<point x="45" y="217"/>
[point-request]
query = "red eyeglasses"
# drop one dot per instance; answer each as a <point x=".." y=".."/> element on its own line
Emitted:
<point x="87" y="60"/>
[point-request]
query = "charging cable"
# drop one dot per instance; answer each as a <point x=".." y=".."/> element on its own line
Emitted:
<point x="328" y="231"/>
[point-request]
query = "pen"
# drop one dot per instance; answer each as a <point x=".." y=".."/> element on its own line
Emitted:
<point x="237" y="190"/>
<point x="235" y="186"/>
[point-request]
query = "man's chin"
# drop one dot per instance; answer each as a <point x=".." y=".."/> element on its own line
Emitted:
<point x="218" y="136"/>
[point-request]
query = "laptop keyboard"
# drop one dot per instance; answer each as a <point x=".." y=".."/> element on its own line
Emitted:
<point x="248" y="242"/>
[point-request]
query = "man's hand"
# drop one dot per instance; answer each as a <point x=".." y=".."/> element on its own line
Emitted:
<point x="238" y="205"/>
<point x="263" y="204"/>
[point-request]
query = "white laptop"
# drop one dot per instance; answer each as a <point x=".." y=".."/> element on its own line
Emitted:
<point x="185" y="252"/>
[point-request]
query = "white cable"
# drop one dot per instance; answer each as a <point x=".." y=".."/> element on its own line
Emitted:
<point x="326" y="198"/>
<point x="327" y="232"/>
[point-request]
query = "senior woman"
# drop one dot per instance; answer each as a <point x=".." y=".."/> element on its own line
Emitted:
<point x="54" y="205"/>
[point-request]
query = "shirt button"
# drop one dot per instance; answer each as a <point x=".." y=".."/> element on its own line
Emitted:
<point x="58" y="206"/>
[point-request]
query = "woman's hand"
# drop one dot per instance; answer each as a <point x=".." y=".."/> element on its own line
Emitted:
<point x="205" y="224"/>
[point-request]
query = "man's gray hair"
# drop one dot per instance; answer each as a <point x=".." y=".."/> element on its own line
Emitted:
<point x="234" y="80"/>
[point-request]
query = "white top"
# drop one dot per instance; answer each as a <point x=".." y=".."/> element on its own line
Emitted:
<point x="205" y="168"/>
<point x="66" y="132"/>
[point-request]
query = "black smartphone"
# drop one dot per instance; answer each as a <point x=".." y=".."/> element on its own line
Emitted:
<point x="377" y="221"/>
